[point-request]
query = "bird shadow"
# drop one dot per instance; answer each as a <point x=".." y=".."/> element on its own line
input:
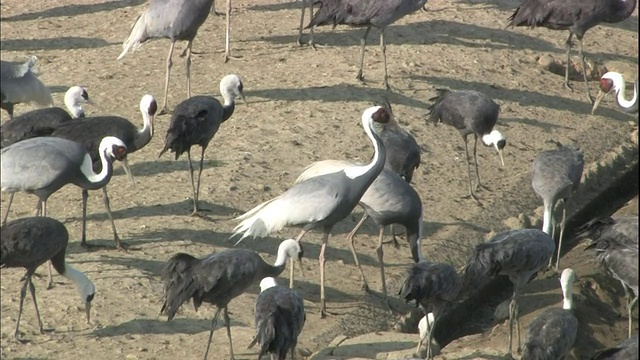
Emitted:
<point x="286" y="5"/>
<point x="544" y="126"/>
<point x="60" y="43"/>
<point x="156" y="167"/>
<point x="151" y="269"/>
<point x="178" y="325"/>
<point x="73" y="10"/>
<point x="371" y="350"/>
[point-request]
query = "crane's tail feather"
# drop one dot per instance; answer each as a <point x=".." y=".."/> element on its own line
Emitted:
<point x="262" y="220"/>
<point x="179" y="284"/>
<point x="137" y="36"/>
<point x="265" y="333"/>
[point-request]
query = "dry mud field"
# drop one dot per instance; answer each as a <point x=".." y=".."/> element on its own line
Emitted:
<point x="304" y="106"/>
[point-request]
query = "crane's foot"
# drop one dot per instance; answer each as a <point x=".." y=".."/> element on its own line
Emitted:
<point x="17" y="338"/>
<point x="508" y="357"/>
<point x="324" y="313"/>
<point x="360" y="77"/>
<point x="365" y="287"/>
<point x="217" y="13"/>
<point x="590" y="98"/>
<point x="567" y="85"/>
<point x="121" y="246"/>
<point x="164" y="111"/>
<point x="472" y="196"/>
<point x="480" y="187"/>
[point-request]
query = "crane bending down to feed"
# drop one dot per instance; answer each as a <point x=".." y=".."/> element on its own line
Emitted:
<point x="174" y="20"/>
<point x="626" y="350"/>
<point x="519" y="254"/>
<point x="19" y="83"/>
<point x="279" y="318"/>
<point x="577" y="16"/>
<point x="616" y="245"/>
<point x="320" y="201"/>
<point x="42" y="122"/>
<point x="388" y="200"/>
<point x="30" y="242"/>
<point x="219" y="278"/>
<point x="551" y="334"/>
<point x="89" y="133"/>
<point x="613" y="82"/>
<point x="434" y="285"/>
<point x="555" y="176"/>
<point x="472" y="113"/>
<point x="196" y="120"/>
<point x="373" y="13"/>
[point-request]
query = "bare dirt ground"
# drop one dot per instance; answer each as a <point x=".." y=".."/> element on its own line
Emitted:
<point x="305" y="106"/>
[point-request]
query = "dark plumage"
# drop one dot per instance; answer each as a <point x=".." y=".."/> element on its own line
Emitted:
<point x="577" y="16"/>
<point x="279" y="318"/>
<point x="626" y="350"/>
<point x="195" y="121"/>
<point x="431" y="285"/>
<point x="472" y="113"/>
<point x="372" y="13"/>
<point x="219" y="278"/>
<point x="29" y="243"/>
<point x="519" y="254"/>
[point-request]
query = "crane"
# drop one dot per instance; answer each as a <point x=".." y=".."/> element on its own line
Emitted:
<point x="613" y="82"/>
<point x="19" y="83"/>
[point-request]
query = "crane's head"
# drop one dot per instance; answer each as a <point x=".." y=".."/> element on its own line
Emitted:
<point x="567" y="279"/>
<point x="231" y="88"/>
<point x="74" y="98"/>
<point x="148" y="105"/>
<point x="113" y="148"/>
<point x="266" y="283"/>
<point x="498" y="141"/>
<point x="609" y="82"/>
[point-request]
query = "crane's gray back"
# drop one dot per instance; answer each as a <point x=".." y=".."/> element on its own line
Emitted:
<point x="176" y="19"/>
<point x="557" y="173"/>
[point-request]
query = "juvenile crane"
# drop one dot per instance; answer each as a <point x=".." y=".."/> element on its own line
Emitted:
<point x="321" y="201"/>
<point x="472" y="113"/>
<point x="196" y="121"/>
<point x="279" y="318"/>
<point x="519" y="254"/>
<point x="360" y="13"/>
<point x="613" y="82"/>
<point x="551" y="334"/>
<point x="219" y="278"/>
<point x="174" y="20"/>
<point x="42" y="122"/>
<point x="555" y="176"/>
<point x="625" y="350"/>
<point x="577" y="16"/>
<point x="30" y="242"/>
<point x="19" y="83"/>
<point x="89" y="133"/>
<point x="433" y="286"/>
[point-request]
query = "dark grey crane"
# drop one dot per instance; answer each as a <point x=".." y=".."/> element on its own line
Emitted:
<point x="279" y="318"/>
<point x="196" y="121"/>
<point x="89" y="132"/>
<point x="555" y="176"/>
<point x="219" y="278"/>
<point x="321" y="201"/>
<point x="626" y="350"/>
<point x="615" y="241"/>
<point x="613" y="82"/>
<point x="388" y="200"/>
<point x="361" y="13"/>
<point x="551" y="334"/>
<point x="472" y="113"/>
<point x="30" y="242"/>
<point x="577" y="16"/>
<point x="42" y="122"/>
<point x="519" y="254"/>
<point x="174" y="20"/>
<point x="433" y="286"/>
<point x="19" y="83"/>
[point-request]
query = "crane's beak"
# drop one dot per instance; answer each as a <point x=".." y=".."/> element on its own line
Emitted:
<point x="500" y="152"/>
<point x="601" y="95"/>
<point x="127" y="170"/>
<point x="87" y="309"/>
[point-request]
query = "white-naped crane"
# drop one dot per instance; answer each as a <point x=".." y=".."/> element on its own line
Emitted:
<point x="613" y="82"/>
<point x="219" y="278"/>
<point x="319" y="202"/>
<point x="196" y="120"/>
<point x="19" y="83"/>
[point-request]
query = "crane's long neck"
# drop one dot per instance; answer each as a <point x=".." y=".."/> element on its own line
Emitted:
<point x="145" y="134"/>
<point x="93" y="180"/>
<point x="77" y="277"/>
<point x="370" y="171"/>
<point x="228" y="107"/>
<point x="547" y="220"/>
<point x="621" y="99"/>
<point x="567" y="294"/>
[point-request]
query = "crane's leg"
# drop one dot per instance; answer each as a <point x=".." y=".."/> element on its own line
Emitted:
<point x="363" y="43"/>
<point x="394" y="239"/>
<point x="227" y="54"/>
<point x="304" y="7"/>
<point x="227" y="322"/>
<point x="164" y="109"/>
<point x="380" y="253"/>
<point x="479" y="185"/>
<point x="584" y="72"/>
<point x="383" y="48"/>
<point x="6" y="213"/>
<point x="23" y="294"/>
<point x="187" y="63"/>
<point x="83" y="240"/>
<point x="564" y="219"/>
<point x="38" y="211"/>
<point x="631" y="305"/>
<point x="293" y="261"/>
<point x="50" y="279"/>
<point x="107" y="207"/>
<point x="466" y="151"/>
<point x="213" y="9"/>
<point x="197" y="198"/>
<point x="193" y="185"/>
<point x="512" y="314"/>
<point x="352" y="242"/>
<point x="566" y="72"/>
<point x="213" y="326"/>
<point x="32" y="290"/>
<point x="322" y="260"/>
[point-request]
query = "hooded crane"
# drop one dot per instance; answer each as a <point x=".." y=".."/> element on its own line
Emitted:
<point x="616" y="245"/>
<point x="361" y="13"/>
<point x="19" y="83"/>
<point x="626" y="350"/>
<point x="89" y="131"/>
<point x="555" y="176"/>
<point x="174" y="20"/>
<point x="519" y="254"/>
<point x="551" y="334"/>
<point x="29" y="243"/>
<point x="431" y="285"/>
<point x="472" y="113"/>
<point x="219" y="278"/>
<point x="42" y="166"/>
<point x="195" y="121"/>
<point x="279" y="317"/>
<point x="321" y="201"/>
<point x="613" y="82"/>
<point x="577" y="16"/>
<point x="42" y="122"/>
<point x="389" y="200"/>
